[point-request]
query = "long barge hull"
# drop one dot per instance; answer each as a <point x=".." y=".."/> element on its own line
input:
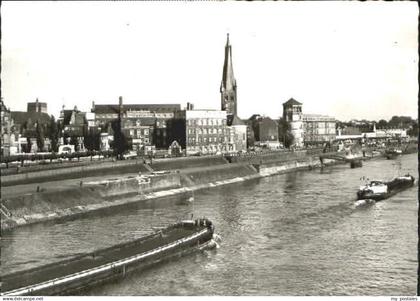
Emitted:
<point x="383" y="196"/>
<point x="78" y="274"/>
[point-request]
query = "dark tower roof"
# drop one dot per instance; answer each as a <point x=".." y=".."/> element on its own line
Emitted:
<point x="228" y="79"/>
<point x="292" y="102"/>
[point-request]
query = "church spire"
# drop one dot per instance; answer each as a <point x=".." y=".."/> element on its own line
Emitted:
<point x="228" y="85"/>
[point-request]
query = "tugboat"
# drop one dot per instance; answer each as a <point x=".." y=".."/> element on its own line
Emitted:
<point x="78" y="273"/>
<point x="379" y="190"/>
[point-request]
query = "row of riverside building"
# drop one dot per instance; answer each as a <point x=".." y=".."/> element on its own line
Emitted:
<point x="160" y="126"/>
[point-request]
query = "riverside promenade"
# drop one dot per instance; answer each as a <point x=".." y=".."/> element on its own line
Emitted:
<point x="58" y="194"/>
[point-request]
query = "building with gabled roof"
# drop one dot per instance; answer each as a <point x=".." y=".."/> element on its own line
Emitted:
<point x="265" y="131"/>
<point x="74" y="127"/>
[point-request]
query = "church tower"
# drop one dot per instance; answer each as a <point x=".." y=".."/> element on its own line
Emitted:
<point x="228" y="85"/>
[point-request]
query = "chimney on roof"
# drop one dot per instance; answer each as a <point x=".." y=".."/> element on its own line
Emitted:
<point x="93" y="105"/>
<point x="190" y="106"/>
<point x="120" y="101"/>
<point x="75" y="108"/>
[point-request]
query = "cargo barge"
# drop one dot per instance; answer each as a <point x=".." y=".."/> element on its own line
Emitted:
<point x="379" y="190"/>
<point x="74" y="275"/>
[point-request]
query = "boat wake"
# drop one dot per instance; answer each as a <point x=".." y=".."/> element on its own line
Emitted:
<point x="364" y="202"/>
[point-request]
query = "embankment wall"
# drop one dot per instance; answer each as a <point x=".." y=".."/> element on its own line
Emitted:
<point x="217" y="173"/>
<point x="109" y="168"/>
<point x="54" y="204"/>
<point x="182" y="163"/>
<point x="270" y="157"/>
<point x="94" y="196"/>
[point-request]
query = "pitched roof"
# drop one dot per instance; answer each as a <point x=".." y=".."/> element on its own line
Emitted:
<point x="234" y="120"/>
<point x="267" y="119"/>
<point x="160" y="108"/>
<point x="3" y="107"/>
<point x="67" y="116"/>
<point x="31" y="117"/>
<point x="143" y="120"/>
<point x="255" y="117"/>
<point x="80" y="118"/>
<point x="292" y="102"/>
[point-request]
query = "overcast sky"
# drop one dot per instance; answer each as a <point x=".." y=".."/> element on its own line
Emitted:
<point x="345" y="59"/>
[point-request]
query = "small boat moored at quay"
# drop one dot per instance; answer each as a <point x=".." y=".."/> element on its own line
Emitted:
<point x="71" y="276"/>
<point x="379" y="190"/>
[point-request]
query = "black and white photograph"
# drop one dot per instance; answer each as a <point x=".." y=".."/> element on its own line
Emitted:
<point x="209" y="148"/>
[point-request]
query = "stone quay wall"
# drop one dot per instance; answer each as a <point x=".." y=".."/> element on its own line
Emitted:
<point x="110" y="193"/>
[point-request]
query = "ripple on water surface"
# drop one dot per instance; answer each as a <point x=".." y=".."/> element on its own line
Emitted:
<point x="292" y="234"/>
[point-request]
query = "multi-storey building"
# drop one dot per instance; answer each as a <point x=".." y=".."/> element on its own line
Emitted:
<point x="265" y="131"/>
<point x="139" y="126"/>
<point x="238" y="132"/>
<point x="145" y="124"/>
<point x="292" y="113"/>
<point x="228" y="85"/>
<point x="318" y="129"/>
<point x="202" y="131"/>
<point x="74" y="127"/>
<point x="7" y="135"/>
<point x="25" y="127"/>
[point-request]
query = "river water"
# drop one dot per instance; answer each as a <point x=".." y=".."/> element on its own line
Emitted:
<point x="292" y="234"/>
